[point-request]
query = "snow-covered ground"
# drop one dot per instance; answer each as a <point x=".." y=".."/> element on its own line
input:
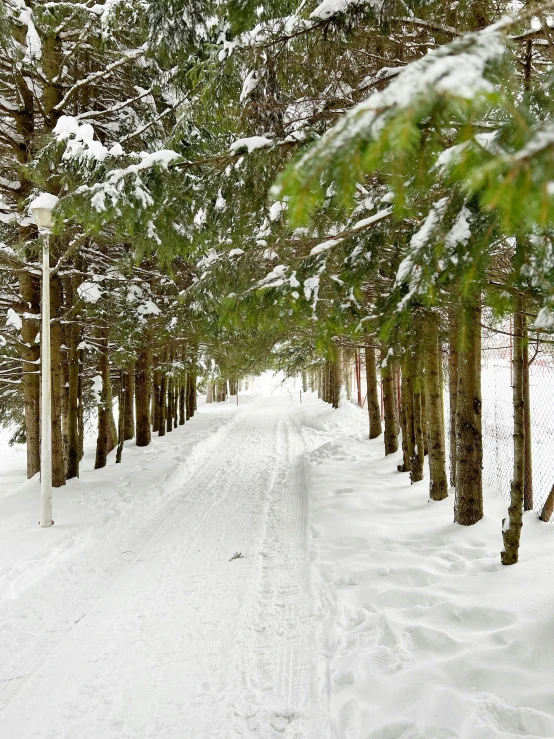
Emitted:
<point x="357" y="610"/>
<point x="422" y="633"/>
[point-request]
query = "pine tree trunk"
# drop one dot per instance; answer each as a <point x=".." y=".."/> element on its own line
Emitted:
<point x="528" y="492"/>
<point x="210" y="393"/>
<point x="407" y="414"/>
<point x="58" y="462"/>
<point x="182" y="402"/>
<point x="468" y="507"/>
<point x="170" y="402"/>
<point x="438" y="485"/>
<point x="335" y="381"/>
<point x="162" y="405"/>
<point x="373" y="409"/>
<point x="511" y="527"/>
<point x="389" y="403"/>
<point x="29" y="289"/>
<point x="416" y="471"/>
<point x="73" y="441"/>
<point x="64" y="392"/>
<point x="129" y="418"/>
<point x="106" y="439"/>
<point x="143" y="393"/>
<point x="453" y="390"/>
<point x="157" y="382"/>
<point x="346" y="374"/>
<point x="191" y="387"/>
<point x="548" y="508"/>
<point x="80" y="409"/>
<point x="123" y="400"/>
<point x="358" y="360"/>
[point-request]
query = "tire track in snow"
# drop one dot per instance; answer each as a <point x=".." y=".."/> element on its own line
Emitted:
<point x="274" y="654"/>
<point x="150" y="658"/>
<point x="150" y="536"/>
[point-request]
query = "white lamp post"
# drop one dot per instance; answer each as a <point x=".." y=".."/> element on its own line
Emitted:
<point x="42" y="208"/>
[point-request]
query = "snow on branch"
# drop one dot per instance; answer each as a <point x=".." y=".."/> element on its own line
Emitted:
<point x="456" y="69"/>
<point x="129" y="56"/>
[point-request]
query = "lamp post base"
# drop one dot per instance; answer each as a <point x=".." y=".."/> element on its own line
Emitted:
<point x="45" y="524"/>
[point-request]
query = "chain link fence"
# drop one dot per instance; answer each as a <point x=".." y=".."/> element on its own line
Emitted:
<point x="497" y="411"/>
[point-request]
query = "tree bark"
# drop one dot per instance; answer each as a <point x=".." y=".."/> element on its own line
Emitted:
<point x="162" y="406"/>
<point x="73" y="441"/>
<point x="373" y="409"/>
<point x="58" y="462"/>
<point x="511" y="527"/>
<point x="389" y="403"/>
<point x="468" y="508"/>
<point x="528" y="491"/>
<point x="105" y="441"/>
<point x="416" y="471"/>
<point x="438" y="484"/>
<point x="170" y="403"/>
<point x="80" y="411"/>
<point x="157" y="381"/>
<point x="129" y="405"/>
<point x="407" y="413"/>
<point x="548" y="508"/>
<point x="29" y="288"/>
<point x="123" y="400"/>
<point x="143" y="392"/>
<point x="182" y="401"/>
<point x="335" y="381"/>
<point x="453" y="390"/>
<point x="191" y="388"/>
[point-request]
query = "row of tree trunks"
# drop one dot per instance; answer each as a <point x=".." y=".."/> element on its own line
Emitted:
<point x="328" y="381"/>
<point x="422" y="407"/>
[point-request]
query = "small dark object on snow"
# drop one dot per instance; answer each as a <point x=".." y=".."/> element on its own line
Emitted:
<point x="236" y="555"/>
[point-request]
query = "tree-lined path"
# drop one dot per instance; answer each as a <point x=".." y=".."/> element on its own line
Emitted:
<point x="175" y="640"/>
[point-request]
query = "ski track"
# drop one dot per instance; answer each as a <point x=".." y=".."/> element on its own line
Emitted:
<point x="176" y="641"/>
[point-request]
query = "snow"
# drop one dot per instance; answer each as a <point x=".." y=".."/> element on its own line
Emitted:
<point x="13" y="319"/>
<point x="129" y="619"/>
<point x="460" y="233"/>
<point x="250" y="144"/>
<point x="358" y="610"/>
<point x="329" y="8"/>
<point x="423" y="633"/>
<point x="44" y="200"/>
<point x="80" y="140"/>
<point x="325" y="246"/>
<point x="276" y="209"/>
<point x="90" y="292"/>
<point x="250" y="83"/>
<point x="148" y="308"/>
<point x="97" y="386"/>
<point x="455" y="69"/>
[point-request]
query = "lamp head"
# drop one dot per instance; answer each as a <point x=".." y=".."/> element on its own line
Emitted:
<point x="41" y="209"/>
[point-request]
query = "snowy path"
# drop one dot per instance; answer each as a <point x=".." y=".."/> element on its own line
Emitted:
<point x="171" y="639"/>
